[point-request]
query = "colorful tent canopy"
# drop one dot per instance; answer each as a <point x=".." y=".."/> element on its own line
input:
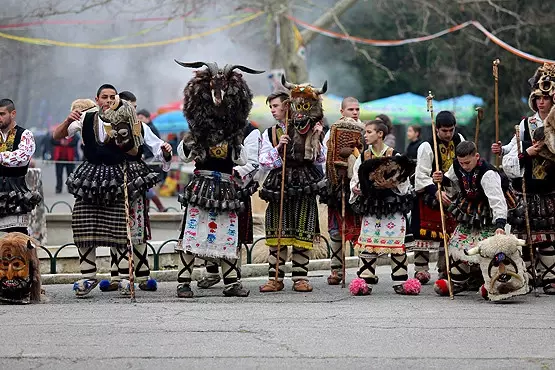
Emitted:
<point x="171" y="122"/>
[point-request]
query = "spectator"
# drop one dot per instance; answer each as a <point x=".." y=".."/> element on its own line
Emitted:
<point x="413" y="135"/>
<point x="64" y="153"/>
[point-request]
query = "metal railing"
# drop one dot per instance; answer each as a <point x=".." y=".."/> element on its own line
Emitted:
<point x="53" y="258"/>
<point x="70" y="208"/>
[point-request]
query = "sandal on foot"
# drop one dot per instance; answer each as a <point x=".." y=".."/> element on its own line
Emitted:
<point x="84" y="286"/>
<point x="108" y="286"/>
<point x="302" y="286"/>
<point x="422" y="276"/>
<point x="334" y="278"/>
<point x="149" y="286"/>
<point x="124" y="287"/>
<point x="236" y="290"/>
<point x="208" y="281"/>
<point x="271" y="286"/>
<point x="549" y="289"/>
<point x="184" y="291"/>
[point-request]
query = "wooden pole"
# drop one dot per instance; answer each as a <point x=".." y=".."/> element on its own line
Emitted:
<point x="496" y="63"/>
<point x="282" y="194"/>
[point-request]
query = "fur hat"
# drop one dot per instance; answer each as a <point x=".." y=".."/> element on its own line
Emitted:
<point x="82" y="105"/>
<point x="542" y="84"/>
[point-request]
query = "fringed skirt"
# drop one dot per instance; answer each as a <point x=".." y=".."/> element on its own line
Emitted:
<point x="465" y="238"/>
<point x="541" y="211"/>
<point x="16" y="198"/>
<point x="214" y="191"/>
<point x="102" y="184"/>
<point x="300" y="181"/>
<point x="426" y="224"/>
<point x="383" y="235"/>
<point x="300" y="224"/>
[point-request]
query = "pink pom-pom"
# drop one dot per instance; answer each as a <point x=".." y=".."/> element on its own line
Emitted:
<point x="412" y="286"/>
<point x="358" y="287"/>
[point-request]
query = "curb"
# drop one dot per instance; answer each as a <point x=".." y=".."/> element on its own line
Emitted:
<point x="250" y="270"/>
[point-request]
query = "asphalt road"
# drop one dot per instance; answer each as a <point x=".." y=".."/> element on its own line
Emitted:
<point x="327" y="328"/>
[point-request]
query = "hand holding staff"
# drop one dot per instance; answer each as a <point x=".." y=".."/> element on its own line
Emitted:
<point x="496" y="62"/>
<point x="526" y="216"/>
<point x="429" y="99"/>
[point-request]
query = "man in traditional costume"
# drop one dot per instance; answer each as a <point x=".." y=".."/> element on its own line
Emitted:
<point x="380" y="190"/>
<point x="19" y="265"/>
<point x="246" y="177"/>
<point x="217" y="102"/>
<point x="113" y="139"/>
<point x="301" y="136"/>
<point x="535" y="161"/>
<point x="119" y="262"/>
<point x="343" y="144"/>
<point x="425" y="216"/>
<point x="480" y="209"/>
<point x="17" y="146"/>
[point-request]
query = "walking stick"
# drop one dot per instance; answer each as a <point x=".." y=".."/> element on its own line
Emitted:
<point x="343" y="230"/>
<point x="479" y="117"/>
<point x="280" y="226"/>
<point x="496" y="96"/>
<point x="526" y="215"/>
<point x="429" y="99"/>
<point x="128" y="229"/>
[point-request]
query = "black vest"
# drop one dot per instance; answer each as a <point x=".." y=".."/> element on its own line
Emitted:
<point x="213" y="163"/>
<point x="99" y="153"/>
<point x="456" y="140"/>
<point x="471" y="184"/>
<point x="15" y="171"/>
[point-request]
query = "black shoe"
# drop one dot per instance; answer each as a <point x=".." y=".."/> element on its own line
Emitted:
<point x="236" y="290"/>
<point x="184" y="291"/>
<point x="208" y="281"/>
<point x="58" y="191"/>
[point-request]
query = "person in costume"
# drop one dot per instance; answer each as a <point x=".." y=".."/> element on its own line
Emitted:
<point x="246" y="176"/>
<point x="381" y="191"/>
<point x="217" y="102"/>
<point x="302" y="107"/>
<point x="17" y="146"/>
<point x="425" y="216"/>
<point x="343" y="143"/>
<point x="119" y="263"/>
<point x="112" y="138"/>
<point x="536" y="163"/>
<point x="480" y="209"/>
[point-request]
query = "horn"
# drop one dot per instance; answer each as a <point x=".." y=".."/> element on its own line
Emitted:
<point x="287" y="85"/>
<point x="212" y="67"/>
<point x="230" y="67"/>
<point x="323" y="89"/>
<point x="29" y="245"/>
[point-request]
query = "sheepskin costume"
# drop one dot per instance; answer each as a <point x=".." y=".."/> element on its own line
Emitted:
<point x="504" y="271"/>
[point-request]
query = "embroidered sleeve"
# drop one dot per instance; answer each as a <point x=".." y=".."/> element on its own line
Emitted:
<point x="242" y="158"/>
<point x="251" y="148"/>
<point x="23" y="154"/>
<point x="511" y="164"/>
<point x="491" y="183"/>
<point x="355" y="183"/>
<point x="154" y="143"/>
<point x="269" y="157"/>
<point x="424" y="160"/>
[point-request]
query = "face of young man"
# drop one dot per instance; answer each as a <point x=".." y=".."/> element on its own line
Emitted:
<point x="277" y="108"/>
<point x="371" y="135"/>
<point x="411" y="134"/>
<point x="143" y="118"/>
<point x="544" y="104"/>
<point x="469" y="162"/>
<point x="105" y="98"/>
<point x="6" y="118"/>
<point x="351" y="110"/>
<point x="446" y="133"/>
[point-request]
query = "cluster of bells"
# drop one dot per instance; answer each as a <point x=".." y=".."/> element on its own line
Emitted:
<point x="476" y="214"/>
<point x="15" y="197"/>
<point x="541" y="212"/>
<point x="104" y="185"/>
<point x="385" y="204"/>
<point x="212" y="193"/>
<point x="300" y="181"/>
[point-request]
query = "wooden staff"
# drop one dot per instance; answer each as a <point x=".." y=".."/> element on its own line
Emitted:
<point x="343" y="231"/>
<point x="128" y="229"/>
<point x="429" y="99"/>
<point x="526" y="215"/>
<point x="280" y="226"/>
<point x="496" y="96"/>
<point x="479" y="117"/>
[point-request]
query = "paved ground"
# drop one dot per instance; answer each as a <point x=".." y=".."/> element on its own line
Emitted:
<point x="327" y="328"/>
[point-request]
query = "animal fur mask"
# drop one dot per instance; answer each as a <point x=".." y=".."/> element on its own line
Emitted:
<point x="305" y="104"/>
<point x="19" y="269"/>
<point x="216" y="103"/>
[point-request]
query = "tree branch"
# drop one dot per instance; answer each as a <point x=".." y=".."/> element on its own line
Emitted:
<point x="327" y="19"/>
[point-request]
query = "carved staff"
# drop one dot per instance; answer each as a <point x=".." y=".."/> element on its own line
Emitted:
<point x="282" y="192"/>
<point x="479" y="117"/>
<point x="496" y="62"/>
<point x="526" y="215"/>
<point x="128" y="229"/>
<point x="429" y="99"/>
<point x="343" y="230"/>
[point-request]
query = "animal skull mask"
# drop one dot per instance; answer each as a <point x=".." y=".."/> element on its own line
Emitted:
<point x="305" y="104"/>
<point x="124" y="128"/>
